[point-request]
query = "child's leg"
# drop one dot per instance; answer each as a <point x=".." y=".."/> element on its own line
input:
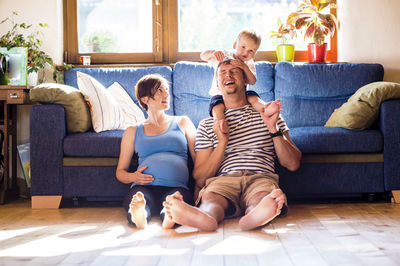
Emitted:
<point x="217" y="110"/>
<point x="256" y="102"/>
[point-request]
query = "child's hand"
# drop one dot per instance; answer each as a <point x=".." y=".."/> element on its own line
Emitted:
<point x="238" y="63"/>
<point x="219" y="55"/>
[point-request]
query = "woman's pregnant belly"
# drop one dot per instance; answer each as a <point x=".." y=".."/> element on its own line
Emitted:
<point x="168" y="169"/>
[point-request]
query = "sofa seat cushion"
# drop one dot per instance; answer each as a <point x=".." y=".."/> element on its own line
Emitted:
<point x="92" y="144"/>
<point x="336" y="140"/>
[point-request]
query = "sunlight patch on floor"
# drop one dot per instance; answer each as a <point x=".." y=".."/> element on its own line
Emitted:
<point x="7" y="234"/>
<point x="234" y="245"/>
<point x="149" y="250"/>
<point x="90" y="238"/>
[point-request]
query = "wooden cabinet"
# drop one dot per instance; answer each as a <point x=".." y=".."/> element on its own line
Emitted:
<point x="10" y="97"/>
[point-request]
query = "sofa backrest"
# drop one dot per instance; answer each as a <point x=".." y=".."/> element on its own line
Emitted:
<point x="310" y="92"/>
<point x="192" y="82"/>
<point x="127" y="77"/>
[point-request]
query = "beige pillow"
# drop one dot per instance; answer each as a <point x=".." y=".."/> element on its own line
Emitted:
<point x="76" y="109"/>
<point x="362" y="108"/>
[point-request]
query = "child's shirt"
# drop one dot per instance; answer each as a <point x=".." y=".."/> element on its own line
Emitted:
<point x="214" y="62"/>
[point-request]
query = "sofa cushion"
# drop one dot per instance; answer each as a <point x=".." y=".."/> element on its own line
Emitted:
<point x="192" y="82"/>
<point x="126" y="76"/>
<point x="362" y="109"/>
<point x="92" y="144"/>
<point x="310" y="92"/>
<point x="336" y="140"/>
<point x="76" y="109"/>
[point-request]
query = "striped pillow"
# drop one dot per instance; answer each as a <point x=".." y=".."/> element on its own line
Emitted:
<point x="106" y="112"/>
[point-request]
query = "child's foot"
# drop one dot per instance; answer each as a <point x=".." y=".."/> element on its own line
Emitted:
<point x="168" y="223"/>
<point x="272" y="107"/>
<point x="265" y="211"/>
<point x="223" y="125"/>
<point x="138" y="211"/>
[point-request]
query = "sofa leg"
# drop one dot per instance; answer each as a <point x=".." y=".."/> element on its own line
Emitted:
<point x="396" y="196"/>
<point x="46" y="202"/>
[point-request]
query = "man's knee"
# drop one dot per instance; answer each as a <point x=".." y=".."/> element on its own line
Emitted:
<point x="214" y="199"/>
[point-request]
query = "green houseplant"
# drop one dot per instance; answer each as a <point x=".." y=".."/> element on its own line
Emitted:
<point x="16" y="36"/>
<point x="284" y="34"/>
<point x="317" y="24"/>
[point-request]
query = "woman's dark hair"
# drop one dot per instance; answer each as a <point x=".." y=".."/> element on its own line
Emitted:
<point x="147" y="86"/>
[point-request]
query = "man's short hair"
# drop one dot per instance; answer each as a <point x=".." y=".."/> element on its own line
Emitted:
<point x="227" y="60"/>
<point x="251" y="34"/>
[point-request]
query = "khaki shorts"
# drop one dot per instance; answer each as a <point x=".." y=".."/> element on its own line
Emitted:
<point x="239" y="188"/>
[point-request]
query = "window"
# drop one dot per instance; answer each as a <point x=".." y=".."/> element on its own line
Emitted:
<point x="113" y="31"/>
<point x="166" y="31"/>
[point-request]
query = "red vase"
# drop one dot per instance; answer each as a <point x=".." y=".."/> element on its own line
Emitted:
<point x="317" y="54"/>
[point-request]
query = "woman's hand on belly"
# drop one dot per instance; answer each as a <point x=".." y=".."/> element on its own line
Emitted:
<point x="140" y="178"/>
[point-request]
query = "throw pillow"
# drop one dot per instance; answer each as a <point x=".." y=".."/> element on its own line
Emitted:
<point x="133" y="114"/>
<point x="362" y="108"/>
<point x="76" y="109"/>
<point x="106" y="112"/>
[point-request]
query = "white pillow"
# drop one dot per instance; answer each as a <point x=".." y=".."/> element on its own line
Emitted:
<point x="133" y="114"/>
<point x="106" y="112"/>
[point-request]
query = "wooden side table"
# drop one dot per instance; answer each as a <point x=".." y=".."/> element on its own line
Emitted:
<point x="10" y="97"/>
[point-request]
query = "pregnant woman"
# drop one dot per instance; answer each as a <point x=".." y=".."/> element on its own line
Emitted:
<point x="161" y="142"/>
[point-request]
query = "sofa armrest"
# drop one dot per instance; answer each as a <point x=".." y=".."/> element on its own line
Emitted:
<point x="47" y="131"/>
<point x="389" y="124"/>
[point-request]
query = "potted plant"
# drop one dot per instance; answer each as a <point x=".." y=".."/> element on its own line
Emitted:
<point x="317" y="24"/>
<point x="15" y="37"/>
<point x="285" y="33"/>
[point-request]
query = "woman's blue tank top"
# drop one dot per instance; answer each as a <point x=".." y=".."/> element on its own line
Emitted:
<point x="165" y="155"/>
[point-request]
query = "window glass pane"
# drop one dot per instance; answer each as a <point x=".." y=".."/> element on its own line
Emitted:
<point x="115" y="26"/>
<point x="214" y="24"/>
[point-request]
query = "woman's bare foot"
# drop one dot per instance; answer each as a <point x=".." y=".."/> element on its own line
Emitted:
<point x="168" y="223"/>
<point x="266" y="210"/>
<point x="138" y="211"/>
<point x="182" y="213"/>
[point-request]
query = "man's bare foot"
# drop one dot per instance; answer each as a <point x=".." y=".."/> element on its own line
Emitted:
<point x="223" y="125"/>
<point x="138" y="211"/>
<point x="168" y="223"/>
<point x="184" y="214"/>
<point x="266" y="210"/>
<point x="272" y="107"/>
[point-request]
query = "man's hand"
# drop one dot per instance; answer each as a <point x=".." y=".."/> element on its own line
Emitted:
<point x="222" y="137"/>
<point x="140" y="178"/>
<point x="219" y="55"/>
<point x="271" y="114"/>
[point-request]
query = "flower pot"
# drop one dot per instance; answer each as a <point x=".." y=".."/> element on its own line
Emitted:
<point x="285" y="52"/>
<point x="32" y="79"/>
<point x="317" y="54"/>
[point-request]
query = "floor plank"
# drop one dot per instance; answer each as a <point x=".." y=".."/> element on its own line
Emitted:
<point x="310" y="234"/>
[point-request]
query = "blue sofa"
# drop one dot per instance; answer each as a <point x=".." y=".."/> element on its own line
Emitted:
<point x="336" y="161"/>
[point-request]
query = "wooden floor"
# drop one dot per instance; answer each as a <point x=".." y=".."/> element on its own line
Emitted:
<point x="310" y="234"/>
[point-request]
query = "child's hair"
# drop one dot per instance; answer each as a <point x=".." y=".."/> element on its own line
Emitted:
<point x="148" y="86"/>
<point x="251" y="34"/>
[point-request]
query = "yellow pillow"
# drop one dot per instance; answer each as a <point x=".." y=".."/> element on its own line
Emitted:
<point x="76" y="109"/>
<point x="362" y="108"/>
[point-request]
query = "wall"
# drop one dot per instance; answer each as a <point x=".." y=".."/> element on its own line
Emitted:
<point x="35" y="12"/>
<point x="370" y="33"/>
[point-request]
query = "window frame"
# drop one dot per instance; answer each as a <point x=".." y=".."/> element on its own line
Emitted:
<point x="72" y="55"/>
<point x="165" y="25"/>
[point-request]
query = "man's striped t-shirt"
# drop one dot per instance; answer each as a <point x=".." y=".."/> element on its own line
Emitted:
<point x="250" y="146"/>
